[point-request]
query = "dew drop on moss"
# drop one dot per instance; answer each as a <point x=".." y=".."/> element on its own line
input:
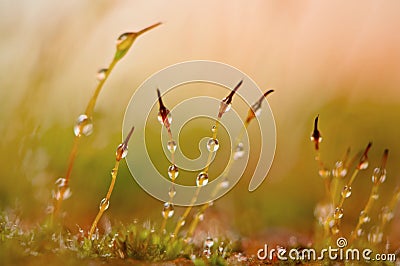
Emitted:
<point x="83" y="126"/>
<point x="104" y="204"/>
<point x="202" y="179"/>
<point x="212" y="145"/>
<point x="168" y="210"/>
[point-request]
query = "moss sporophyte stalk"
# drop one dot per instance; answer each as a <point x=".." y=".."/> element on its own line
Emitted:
<point x="84" y="123"/>
<point x="331" y="214"/>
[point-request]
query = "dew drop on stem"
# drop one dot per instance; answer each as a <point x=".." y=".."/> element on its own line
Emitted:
<point x="338" y="214"/>
<point x="173" y="172"/>
<point x="83" y="126"/>
<point x="172" y="191"/>
<point x="202" y="179"/>
<point x="101" y="74"/>
<point x="104" y="204"/>
<point x="171" y="144"/>
<point x="346" y="192"/>
<point x="212" y="145"/>
<point x="168" y="210"/>
<point x="239" y="151"/>
<point x="209" y="242"/>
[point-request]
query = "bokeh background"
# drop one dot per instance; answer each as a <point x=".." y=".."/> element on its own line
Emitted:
<point x="337" y="59"/>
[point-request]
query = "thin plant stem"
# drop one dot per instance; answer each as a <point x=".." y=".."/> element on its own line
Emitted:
<point x="123" y="45"/>
<point x="224" y="106"/>
<point x="256" y="107"/>
<point x="198" y="189"/>
<point x="122" y="151"/>
<point x="337" y="214"/>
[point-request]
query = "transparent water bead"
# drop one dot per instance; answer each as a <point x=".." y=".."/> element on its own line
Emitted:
<point x="346" y="192"/>
<point x="339" y="170"/>
<point x="67" y="194"/>
<point x="379" y="176"/>
<point x="213" y="129"/>
<point x="61" y="182"/>
<point x="223" y="108"/>
<point x="168" y="210"/>
<point x="335" y="230"/>
<point x="101" y="74"/>
<point x="364" y="218"/>
<point x="375" y="196"/>
<point x="209" y="242"/>
<point x="104" y="204"/>
<point x="375" y="236"/>
<point x="122" y="151"/>
<point x="202" y="179"/>
<point x="212" y="145"/>
<point x="363" y="164"/>
<point x="171" y="145"/>
<point x="173" y="172"/>
<point x="239" y="151"/>
<point x="338" y="214"/>
<point x="324" y="172"/>
<point x="359" y="232"/>
<point x="201" y="217"/>
<point x="172" y="191"/>
<point x="387" y="214"/>
<point x="165" y="119"/>
<point x="83" y="126"/>
<point x="224" y="183"/>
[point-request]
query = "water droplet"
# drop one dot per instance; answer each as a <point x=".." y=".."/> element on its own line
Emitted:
<point x="165" y="121"/>
<point x="335" y="230"/>
<point x="171" y="146"/>
<point x="172" y="191"/>
<point x="375" y="236"/>
<point x="224" y="183"/>
<point x="379" y="176"/>
<point x="223" y="108"/>
<point x="359" y="232"/>
<point x="363" y="165"/>
<point x="104" y="204"/>
<point x="387" y="215"/>
<point x="202" y="179"/>
<point x="207" y="253"/>
<point x="212" y="145"/>
<point x="221" y="248"/>
<point x="83" y="126"/>
<point x="324" y="172"/>
<point x="173" y="172"/>
<point x="122" y="151"/>
<point x="113" y="171"/>
<point x="375" y="196"/>
<point x="346" y="192"/>
<point x="364" y="218"/>
<point x="239" y="151"/>
<point x="61" y="182"/>
<point x="183" y="222"/>
<point x="338" y="214"/>
<point x="209" y="242"/>
<point x="67" y="194"/>
<point x="339" y="170"/>
<point x="168" y="210"/>
<point x="322" y="211"/>
<point x="101" y="74"/>
<point x="201" y="217"/>
<point x="213" y="129"/>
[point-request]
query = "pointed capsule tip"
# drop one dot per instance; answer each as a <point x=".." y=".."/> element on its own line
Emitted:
<point x="149" y="28"/>
<point x="129" y="135"/>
